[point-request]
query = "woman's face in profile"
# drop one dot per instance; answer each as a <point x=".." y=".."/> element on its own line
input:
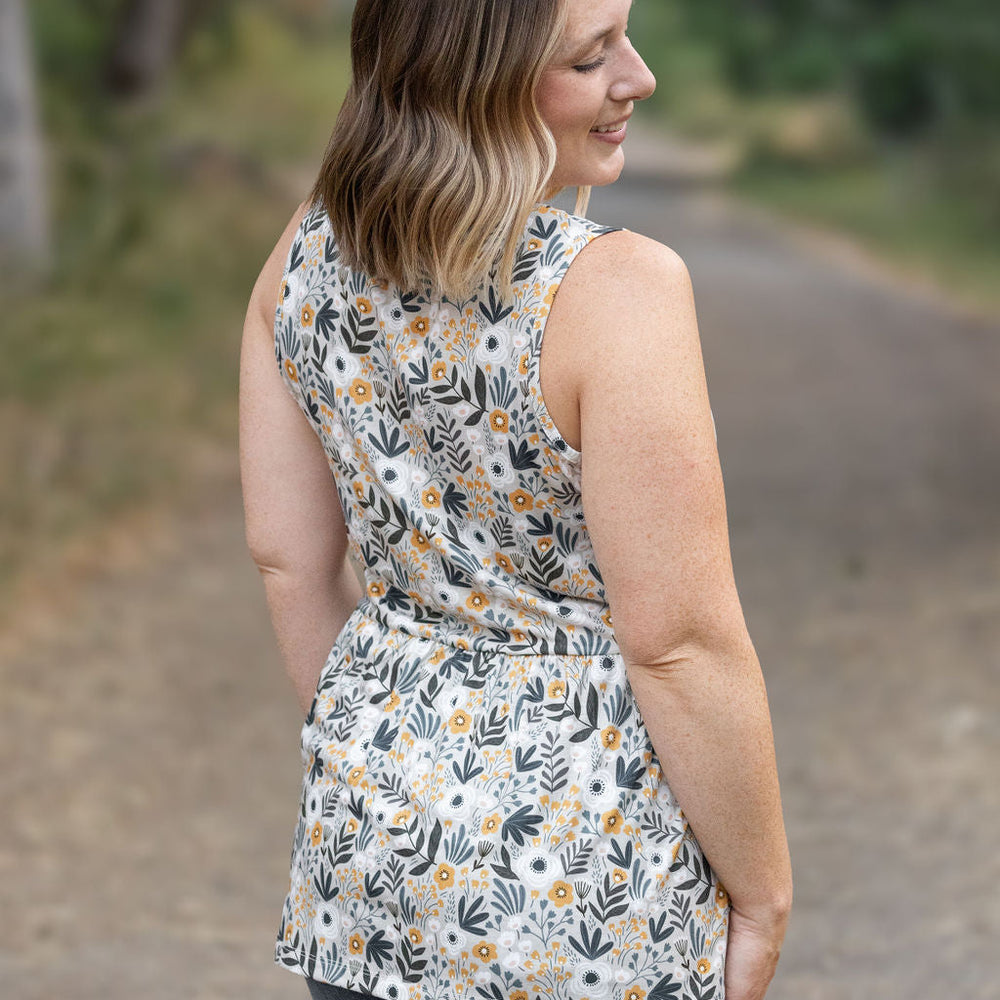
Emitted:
<point x="587" y="93"/>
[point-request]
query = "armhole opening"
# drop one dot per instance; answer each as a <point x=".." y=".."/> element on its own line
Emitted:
<point x="570" y="455"/>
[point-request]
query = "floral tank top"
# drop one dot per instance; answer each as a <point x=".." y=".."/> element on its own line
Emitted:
<point x="483" y="813"/>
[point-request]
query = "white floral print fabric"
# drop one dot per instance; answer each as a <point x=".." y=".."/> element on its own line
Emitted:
<point x="483" y="814"/>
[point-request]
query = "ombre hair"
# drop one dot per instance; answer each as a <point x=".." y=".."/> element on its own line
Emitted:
<point x="439" y="153"/>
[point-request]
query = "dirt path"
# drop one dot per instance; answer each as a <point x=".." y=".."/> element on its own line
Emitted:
<point x="151" y="744"/>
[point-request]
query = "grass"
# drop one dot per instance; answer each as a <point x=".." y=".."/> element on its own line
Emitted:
<point x="938" y="235"/>
<point x="120" y="376"/>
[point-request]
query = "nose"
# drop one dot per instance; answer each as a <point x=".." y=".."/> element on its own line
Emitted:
<point x="636" y="82"/>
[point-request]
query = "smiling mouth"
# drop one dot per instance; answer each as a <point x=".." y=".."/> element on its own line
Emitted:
<point x="613" y="127"/>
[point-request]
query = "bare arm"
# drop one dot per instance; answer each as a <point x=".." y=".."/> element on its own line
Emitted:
<point x="653" y="496"/>
<point x="294" y="521"/>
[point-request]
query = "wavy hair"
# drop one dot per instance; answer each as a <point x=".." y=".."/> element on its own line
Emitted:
<point x="439" y="153"/>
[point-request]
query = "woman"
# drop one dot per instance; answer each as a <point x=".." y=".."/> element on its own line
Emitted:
<point x="537" y="744"/>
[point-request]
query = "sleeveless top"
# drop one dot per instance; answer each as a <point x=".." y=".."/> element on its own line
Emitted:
<point x="483" y="813"/>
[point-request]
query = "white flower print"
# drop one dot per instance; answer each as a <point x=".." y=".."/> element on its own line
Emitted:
<point x="506" y="939"/>
<point x="499" y="469"/>
<point x="599" y="789"/>
<point x="609" y="670"/>
<point x="658" y="859"/>
<point x="395" y="318"/>
<point x="512" y="960"/>
<point x="454" y="940"/>
<point x="394" y="476"/>
<point x="494" y="343"/>
<point x="456" y="803"/>
<point x="394" y="987"/>
<point x="328" y="920"/>
<point x="537" y="868"/>
<point x="593" y="980"/>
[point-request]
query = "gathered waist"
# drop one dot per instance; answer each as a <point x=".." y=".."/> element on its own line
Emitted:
<point x="550" y="638"/>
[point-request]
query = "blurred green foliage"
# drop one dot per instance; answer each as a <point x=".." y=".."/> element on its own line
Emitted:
<point x="879" y="118"/>
<point x="119" y="382"/>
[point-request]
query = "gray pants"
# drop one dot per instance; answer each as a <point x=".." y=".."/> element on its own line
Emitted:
<point x="323" y="991"/>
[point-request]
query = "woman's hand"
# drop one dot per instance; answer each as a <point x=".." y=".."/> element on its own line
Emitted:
<point x="752" y="955"/>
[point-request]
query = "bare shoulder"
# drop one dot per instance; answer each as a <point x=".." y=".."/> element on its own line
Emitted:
<point x="629" y="258"/>
<point x="627" y="287"/>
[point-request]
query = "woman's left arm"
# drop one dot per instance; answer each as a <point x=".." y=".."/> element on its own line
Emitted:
<point x="294" y="521"/>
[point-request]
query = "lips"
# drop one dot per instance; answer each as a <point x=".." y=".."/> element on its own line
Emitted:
<point x="612" y="127"/>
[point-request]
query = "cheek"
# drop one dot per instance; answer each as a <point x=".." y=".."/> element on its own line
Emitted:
<point x="561" y="108"/>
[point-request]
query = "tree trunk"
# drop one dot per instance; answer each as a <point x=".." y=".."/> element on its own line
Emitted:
<point x="145" y="45"/>
<point x="24" y="224"/>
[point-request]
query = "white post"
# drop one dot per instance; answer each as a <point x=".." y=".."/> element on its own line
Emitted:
<point x="24" y="218"/>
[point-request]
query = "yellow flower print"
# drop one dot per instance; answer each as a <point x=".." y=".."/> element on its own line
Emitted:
<point x="544" y="544"/>
<point x="612" y="821"/>
<point x="419" y="540"/>
<point x="557" y="689"/>
<point x="438" y="370"/>
<point x="561" y="893"/>
<point x="401" y="817"/>
<point x="415" y="936"/>
<point x="534" y="244"/>
<point x="611" y="738"/>
<point x="392" y="702"/>
<point x="550" y="295"/>
<point x="485" y="951"/>
<point x="491" y="824"/>
<point x="521" y="501"/>
<point x="357" y="944"/>
<point x="364" y="305"/>
<point x="619" y="875"/>
<point x="634" y="993"/>
<point x="476" y="601"/>
<point x="444" y="877"/>
<point x="420" y="326"/>
<point x="361" y="391"/>
<point x="704" y="966"/>
<point x="291" y="371"/>
<point x="721" y="896"/>
<point x="376" y="589"/>
<point x="355" y="775"/>
<point x="431" y="497"/>
<point x="504" y="562"/>
<point x="519" y="995"/>
<point x="308" y="315"/>
<point x="359" y="490"/>
<point x="316" y="834"/>
<point x="460" y="721"/>
<point x="499" y="421"/>
<point x="522" y="365"/>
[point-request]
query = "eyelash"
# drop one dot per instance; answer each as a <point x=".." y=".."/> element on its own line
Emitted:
<point x="590" y="67"/>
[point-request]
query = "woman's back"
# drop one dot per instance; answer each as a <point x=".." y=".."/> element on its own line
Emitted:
<point x="461" y="497"/>
<point x="482" y="807"/>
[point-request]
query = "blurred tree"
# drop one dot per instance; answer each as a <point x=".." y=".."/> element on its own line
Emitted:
<point x="149" y="36"/>
<point x="24" y="236"/>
